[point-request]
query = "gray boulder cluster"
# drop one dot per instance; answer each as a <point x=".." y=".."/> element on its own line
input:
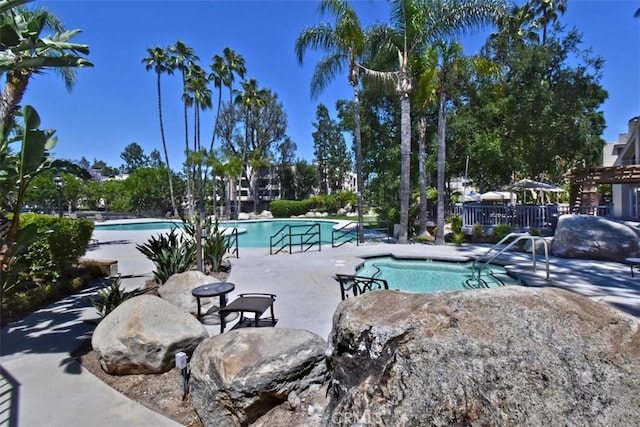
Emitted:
<point x="503" y="356"/>
<point x="593" y="237"/>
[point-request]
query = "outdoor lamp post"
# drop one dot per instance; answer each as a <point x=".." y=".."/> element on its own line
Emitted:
<point x="58" y="182"/>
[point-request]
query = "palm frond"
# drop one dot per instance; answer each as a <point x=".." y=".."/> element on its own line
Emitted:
<point x="326" y="71"/>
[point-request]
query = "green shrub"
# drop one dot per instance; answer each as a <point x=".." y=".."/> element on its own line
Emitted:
<point x="500" y="231"/>
<point x="170" y="253"/>
<point x="457" y="239"/>
<point x="61" y="242"/>
<point x="347" y="197"/>
<point x="427" y="238"/>
<point x="112" y="296"/>
<point x="456" y="223"/>
<point x="287" y="208"/>
<point x="477" y="232"/>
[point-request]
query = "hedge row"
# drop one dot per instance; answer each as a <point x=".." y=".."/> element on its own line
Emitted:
<point x="61" y="242"/>
<point x="287" y="208"/>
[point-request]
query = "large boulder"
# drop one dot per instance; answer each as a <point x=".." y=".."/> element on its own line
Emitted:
<point x="177" y="290"/>
<point x="593" y="237"/>
<point x="143" y="334"/>
<point x="240" y="375"/>
<point x="505" y="356"/>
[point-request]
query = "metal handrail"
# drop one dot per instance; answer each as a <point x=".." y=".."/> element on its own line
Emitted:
<point x="232" y="243"/>
<point x="284" y="239"/>
<point x="346" y="230"/>
<point x="518" y="236"/>
<point x="341" y="232"/>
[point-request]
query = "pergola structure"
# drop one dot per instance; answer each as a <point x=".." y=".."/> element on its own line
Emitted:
<point x="583" y="181"/>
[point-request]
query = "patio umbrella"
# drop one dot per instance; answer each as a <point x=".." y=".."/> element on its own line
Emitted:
<point x="527" y="184"/>
<point x="535" y="186"/>
<point x="504" y="196"/>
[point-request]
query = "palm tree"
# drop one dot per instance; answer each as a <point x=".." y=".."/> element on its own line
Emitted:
<point x="251" y="99"/>
<point x="224" y="69"/>
<point x="182" y="57"/>
<point x="27" y="53"/>
<point x="158" y="61"/>
<point x="426" y="97"/>
<point x="548" y="11"/>
<point x="343" y="43"/>
<point x="419" y="23"/>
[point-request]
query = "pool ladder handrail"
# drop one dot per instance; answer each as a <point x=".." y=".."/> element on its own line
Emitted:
<point x="518" y="237"/>
<point x="308" y="238"/>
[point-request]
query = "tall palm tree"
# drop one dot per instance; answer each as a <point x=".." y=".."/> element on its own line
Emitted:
<point x="344" y="44"/>
<point x="450" y="54"/>
<point x="251" y="99"/>
<point x="417" y="25"/>
<point x="548" y="11"/>
<point x="182" y="57"/>
<point x="224" y="69"/>
<point x="158" y="61"/>
<point x="426" y="97"/>
<point x="27" y="52"/>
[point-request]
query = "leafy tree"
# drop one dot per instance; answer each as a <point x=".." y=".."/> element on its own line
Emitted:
<point x="116" y="195"/>
<point x="258" y="124"/>
<point x="155" y="160"/>
<point x="148" y="190"/>
<point x="285" y="157"/>
<point x="343" y="44"/>
<point x="330" y="150"/>
<point x="27" y="52"/>
<point x="84" y="163"/>
<point x="159" y="62"/>
<point x="133" y="157"/>
<point x="305" y="179"/>
<point x="540" y="115"/>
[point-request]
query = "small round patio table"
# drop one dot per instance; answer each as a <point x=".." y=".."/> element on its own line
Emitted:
<point x="209" y="290"/>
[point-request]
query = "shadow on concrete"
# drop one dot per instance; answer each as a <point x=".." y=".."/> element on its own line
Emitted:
<point x="9" y="398"/>
<point x="57" y="328"/>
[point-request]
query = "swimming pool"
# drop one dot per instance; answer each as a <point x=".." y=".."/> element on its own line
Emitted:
<point x="253" y="234"/>
<point x="423" y="275"/>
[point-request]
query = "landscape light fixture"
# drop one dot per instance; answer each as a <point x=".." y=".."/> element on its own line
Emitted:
<point x="59" y="184"/>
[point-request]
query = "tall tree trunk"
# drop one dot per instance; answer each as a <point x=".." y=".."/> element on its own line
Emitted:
<point x="405" y="166"/>
<point x="14" y="89"/>
<point x="359" y="183"/>
<point x="442" y="153"/>
<point x="189" y="194"/>
<point x="166" y="153"/>
<point x="422" y="173"/>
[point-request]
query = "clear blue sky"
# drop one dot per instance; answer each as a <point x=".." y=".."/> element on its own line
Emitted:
<point x="114" y="103"/>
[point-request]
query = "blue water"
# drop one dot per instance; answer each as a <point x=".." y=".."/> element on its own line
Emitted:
<point x="257" y="233"/>
<point x="423" y="275"/>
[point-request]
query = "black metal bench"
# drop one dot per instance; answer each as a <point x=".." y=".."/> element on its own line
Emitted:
<point x="359" y="284"/>
<point x="256" y="303"/>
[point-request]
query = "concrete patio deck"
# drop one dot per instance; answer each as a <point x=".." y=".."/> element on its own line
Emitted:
<point x="41" y="385"/>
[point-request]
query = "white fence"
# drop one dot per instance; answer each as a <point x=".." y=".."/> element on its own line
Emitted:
<point x="521" y="216"/>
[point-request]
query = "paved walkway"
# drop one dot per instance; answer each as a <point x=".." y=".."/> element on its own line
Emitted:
<point x="40" y="385"/>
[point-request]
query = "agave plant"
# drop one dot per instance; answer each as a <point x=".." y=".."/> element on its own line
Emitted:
<point x="215" y="242"/>
<point x="112" y="296"/>
<point x="171" y="253"/>
<point x="215" y="247"/>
